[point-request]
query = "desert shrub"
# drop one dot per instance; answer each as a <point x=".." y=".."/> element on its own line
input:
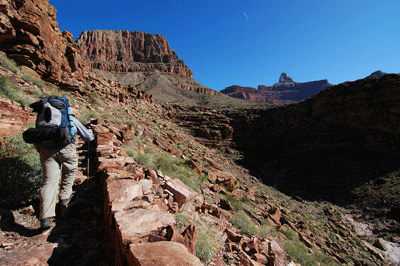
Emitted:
<point x="71" y="98"/>
<point x="38" y="82"/>
<point x="20" y="175"/>
<point x="204" y="248"/>
<point x="145" y="159"/>
<point x="266" y="230"/>
<point x="132" y="123"/>
<point x="171" y="166"/>
<point x="244" y="223"/>
<point x="208" y="242"/>
<point x="299" y="253"/>
<point x="182" y="220"/>
<point x="245" y="200"/>
<point x="9" y="64"/>
<point x="289" y="233"/>
<point x="236" y="204"/>
<point x="86" y="115"/>
<point x="208" y="198"/>
<point x="149" y="150"/>
<point x="11" y="91"/>
<point x="34" y="92"/>
<point x="129" y="151"/>
<point x="51" y="90"/>
<point x="116" y="120"/>
<point x="323" y="258"/>
<point x="187" y="176"/>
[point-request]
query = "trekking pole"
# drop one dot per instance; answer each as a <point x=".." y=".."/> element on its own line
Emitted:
<point x="88" y="161"/>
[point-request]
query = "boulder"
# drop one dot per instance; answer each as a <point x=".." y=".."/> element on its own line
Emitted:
<point x="275" y="215"/>
<point x="181" y="192"/>
<point x="123" y="189"/>
<point x="192" y="164"/>
<point x="136" y="223"/>
<point x="190" y="238"/>
<point x="168" y="254"/>
<point x="146" y="186"/>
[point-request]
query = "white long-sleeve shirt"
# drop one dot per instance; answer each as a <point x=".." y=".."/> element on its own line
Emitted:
<point x="82" y="130"/>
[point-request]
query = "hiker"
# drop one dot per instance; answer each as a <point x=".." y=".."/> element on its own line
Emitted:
<point x="54" y="139"/>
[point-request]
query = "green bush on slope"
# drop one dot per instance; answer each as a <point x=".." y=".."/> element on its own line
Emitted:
<point x="244" y="223"/>
<point x="169" y="165"/>
<point x="9" y="64"/>
<point x="208" y="241"/>
<point x="10" y="91"/>
<point x="20" y="175"/>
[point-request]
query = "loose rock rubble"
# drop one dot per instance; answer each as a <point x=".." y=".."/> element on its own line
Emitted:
<point x="140" y="204"/>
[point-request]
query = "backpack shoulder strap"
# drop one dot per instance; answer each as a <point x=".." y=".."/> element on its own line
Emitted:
<point x="59" y="102"/>
<point x="38" y="105"/>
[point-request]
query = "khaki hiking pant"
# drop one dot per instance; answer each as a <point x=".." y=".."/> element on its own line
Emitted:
<point x="52" y="159"/>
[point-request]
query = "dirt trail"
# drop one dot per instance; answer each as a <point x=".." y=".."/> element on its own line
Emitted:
<point x="76" y="239"/>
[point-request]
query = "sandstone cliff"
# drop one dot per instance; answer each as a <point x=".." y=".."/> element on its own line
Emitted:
<point x="285" y="91"/>
<point x="29" y="34"/>
<point x="124" y="51"/>
<point x="140" y="59"/>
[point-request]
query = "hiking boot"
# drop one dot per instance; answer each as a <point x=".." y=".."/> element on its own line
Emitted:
<point x="45" y="223"/>
<point x="62" y="207"/>
<point x="62" y="210"/>
<point x="65" y="202"/>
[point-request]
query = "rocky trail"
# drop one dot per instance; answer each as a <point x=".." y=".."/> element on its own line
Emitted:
<point x="182" y="185"/>
<point x="76" y="239"/>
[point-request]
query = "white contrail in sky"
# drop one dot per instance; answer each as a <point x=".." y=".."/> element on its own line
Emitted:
<point x="246" y="17"/>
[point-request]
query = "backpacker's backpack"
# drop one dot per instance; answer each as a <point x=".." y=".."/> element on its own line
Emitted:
<point x="54" y="126"/>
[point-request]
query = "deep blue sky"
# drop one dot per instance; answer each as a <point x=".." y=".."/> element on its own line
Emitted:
<point x="250" y="43"/>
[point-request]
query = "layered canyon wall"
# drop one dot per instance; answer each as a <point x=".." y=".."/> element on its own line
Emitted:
<point x="124" y="51"/>
<point x="352" y="115"/>
<point x="359" y="115"/>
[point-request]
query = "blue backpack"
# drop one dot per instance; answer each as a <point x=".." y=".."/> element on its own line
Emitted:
<point x="54" y="125"/>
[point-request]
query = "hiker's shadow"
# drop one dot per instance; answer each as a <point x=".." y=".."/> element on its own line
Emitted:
<point x="73" y="234"/>
<point x="8" y="224"/>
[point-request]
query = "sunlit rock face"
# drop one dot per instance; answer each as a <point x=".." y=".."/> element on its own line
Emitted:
<point x="29" y="34"/>
<point x="124" y="51"/>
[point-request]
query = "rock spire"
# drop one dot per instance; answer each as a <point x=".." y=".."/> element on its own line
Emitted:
<point x="285" y="78"/>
